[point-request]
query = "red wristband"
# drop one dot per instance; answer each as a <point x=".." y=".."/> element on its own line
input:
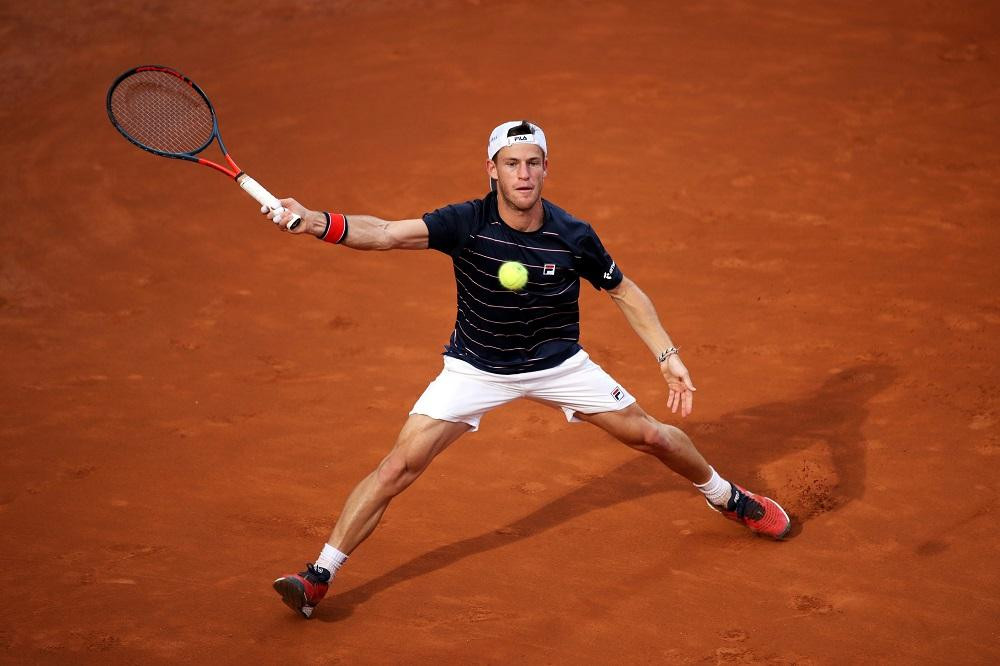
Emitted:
<point x="336" y="228"/>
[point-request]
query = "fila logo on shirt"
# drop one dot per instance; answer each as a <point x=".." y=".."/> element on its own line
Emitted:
<point x="617" y="393"/>
<point x="607" y="276"/>
<point x="549" y="269"/>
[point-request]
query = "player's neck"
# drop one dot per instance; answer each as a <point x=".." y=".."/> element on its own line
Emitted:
<point x="522" y="220"/>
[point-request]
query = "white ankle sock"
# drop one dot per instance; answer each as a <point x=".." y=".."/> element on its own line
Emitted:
<point x="716" y="490"/>
<point x="331" y="559"/>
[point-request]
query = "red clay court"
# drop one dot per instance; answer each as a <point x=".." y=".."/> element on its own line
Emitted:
<point x="808" y="192"/>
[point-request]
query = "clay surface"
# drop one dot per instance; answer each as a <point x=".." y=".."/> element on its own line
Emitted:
<point x="807" y="190"/>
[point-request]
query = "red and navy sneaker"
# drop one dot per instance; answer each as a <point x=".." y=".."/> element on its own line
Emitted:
<point x="301" y="592"/>
<point x="761" y="514"/>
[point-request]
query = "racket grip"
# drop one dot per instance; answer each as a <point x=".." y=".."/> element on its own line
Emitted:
<point x="263" y="197"/>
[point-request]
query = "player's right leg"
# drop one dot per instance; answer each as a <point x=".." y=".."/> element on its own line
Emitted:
<point x="420" y="440"/>
<point x="451" y="405"/>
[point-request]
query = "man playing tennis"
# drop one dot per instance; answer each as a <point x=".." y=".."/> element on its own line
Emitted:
<point x="508" y="345"/>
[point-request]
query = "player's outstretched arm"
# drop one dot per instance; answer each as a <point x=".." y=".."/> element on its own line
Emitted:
<point x="364" y="232"/>
<point x="642" y="317"/>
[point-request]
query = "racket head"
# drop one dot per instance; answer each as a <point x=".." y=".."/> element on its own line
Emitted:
<point x="162" y="111"/>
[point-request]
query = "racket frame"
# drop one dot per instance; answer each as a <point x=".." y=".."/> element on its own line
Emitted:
<point x="191" y="156"/>
<point x="249" y="185"/>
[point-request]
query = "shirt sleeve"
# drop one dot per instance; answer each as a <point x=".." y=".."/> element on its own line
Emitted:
<point x="449" y="228"/>
<point x="595" y="264"/>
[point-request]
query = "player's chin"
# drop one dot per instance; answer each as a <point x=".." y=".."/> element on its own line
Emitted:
<point x="525" y="199"/>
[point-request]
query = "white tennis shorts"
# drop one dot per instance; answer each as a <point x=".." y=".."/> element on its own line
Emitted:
<point x="463" y="393"/>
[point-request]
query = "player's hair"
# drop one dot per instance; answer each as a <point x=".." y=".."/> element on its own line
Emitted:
<point x="524" y="128"/>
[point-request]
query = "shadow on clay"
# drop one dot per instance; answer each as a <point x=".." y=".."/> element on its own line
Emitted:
<point x="742" y="444"/>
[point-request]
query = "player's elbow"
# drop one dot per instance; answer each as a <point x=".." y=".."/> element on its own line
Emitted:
<point x="384" y="239"/>
<point x="405" y="235"/>
<point x="385" y="242"/>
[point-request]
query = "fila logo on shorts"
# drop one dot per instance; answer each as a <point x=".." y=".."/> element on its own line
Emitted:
<point x="549" y="269"/>
<point x="617" y="393"/>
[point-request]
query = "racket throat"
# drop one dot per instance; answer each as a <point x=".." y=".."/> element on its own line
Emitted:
<point x="233" y="164"/>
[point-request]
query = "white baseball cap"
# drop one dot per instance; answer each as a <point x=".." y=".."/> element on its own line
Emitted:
<point x="499" y="138"/>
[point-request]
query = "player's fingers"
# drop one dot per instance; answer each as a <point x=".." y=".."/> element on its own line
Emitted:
<point x="265" y="210"/>
<point x="688" y="404"/>
<point x="688" y="383"/>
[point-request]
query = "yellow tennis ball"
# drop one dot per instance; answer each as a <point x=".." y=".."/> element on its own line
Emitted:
<point x="513" y="275"/>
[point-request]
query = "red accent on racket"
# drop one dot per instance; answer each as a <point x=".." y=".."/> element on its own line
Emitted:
<point x="164" y="112"/>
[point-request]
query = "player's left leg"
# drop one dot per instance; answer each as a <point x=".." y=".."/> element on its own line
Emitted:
<point x="671" y="445"/>
<point x="584" y="391"/>
<point x="637" y="429"/>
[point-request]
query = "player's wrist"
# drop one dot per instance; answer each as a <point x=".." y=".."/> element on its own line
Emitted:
<point x="314" y="222"/>
<point x="332" y="227"/>
<point x="664" y="356"/>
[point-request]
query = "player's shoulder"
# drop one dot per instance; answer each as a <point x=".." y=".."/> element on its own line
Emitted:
<point x="565" y="223"/>
<point x="470" y="208"/>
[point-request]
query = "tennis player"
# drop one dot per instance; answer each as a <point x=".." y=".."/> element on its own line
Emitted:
<point x="508" y="345"/>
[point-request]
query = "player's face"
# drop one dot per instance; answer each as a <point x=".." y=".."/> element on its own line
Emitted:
<point x="519" y="171"/>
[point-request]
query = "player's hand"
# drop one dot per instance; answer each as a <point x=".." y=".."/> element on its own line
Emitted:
<point x="681" y="390"/>
<point x="283" y="216"/>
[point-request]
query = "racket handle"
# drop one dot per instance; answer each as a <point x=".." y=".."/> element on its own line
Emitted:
<point x="264" y="198"/>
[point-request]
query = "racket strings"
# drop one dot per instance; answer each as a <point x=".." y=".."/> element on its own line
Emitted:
<point x="163" y="112"/>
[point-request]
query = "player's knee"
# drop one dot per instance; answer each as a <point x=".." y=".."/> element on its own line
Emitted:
<point x="673" y="438"/>
<point x="660" y="438"/>
<point x="655" y="436"/>
<point x="395" y="474"/>
<point x="646" y="437"/>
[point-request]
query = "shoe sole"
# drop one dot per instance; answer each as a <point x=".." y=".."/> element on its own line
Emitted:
<point x="788" y="522"/>
<point x="293" y="595"/>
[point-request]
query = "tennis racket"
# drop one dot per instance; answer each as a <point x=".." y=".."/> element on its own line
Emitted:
<point x="166" y="113"/>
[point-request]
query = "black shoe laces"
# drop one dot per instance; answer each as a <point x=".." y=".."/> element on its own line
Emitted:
<point x="746" y="506"/>
<point x="315" y="574"/>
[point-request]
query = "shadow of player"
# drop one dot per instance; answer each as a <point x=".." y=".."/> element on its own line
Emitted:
<point x="817" y="439"/>
<point x="742" y="444"/>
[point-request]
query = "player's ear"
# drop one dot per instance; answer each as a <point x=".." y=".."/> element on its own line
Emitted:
<point x="545" y="167"/>
<point x="491" y="169"/>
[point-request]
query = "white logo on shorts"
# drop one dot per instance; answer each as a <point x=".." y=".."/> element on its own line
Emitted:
<point x="608" y="275"/>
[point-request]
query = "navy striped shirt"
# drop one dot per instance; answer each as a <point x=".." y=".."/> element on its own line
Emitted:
<point x="508" y="332"/>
